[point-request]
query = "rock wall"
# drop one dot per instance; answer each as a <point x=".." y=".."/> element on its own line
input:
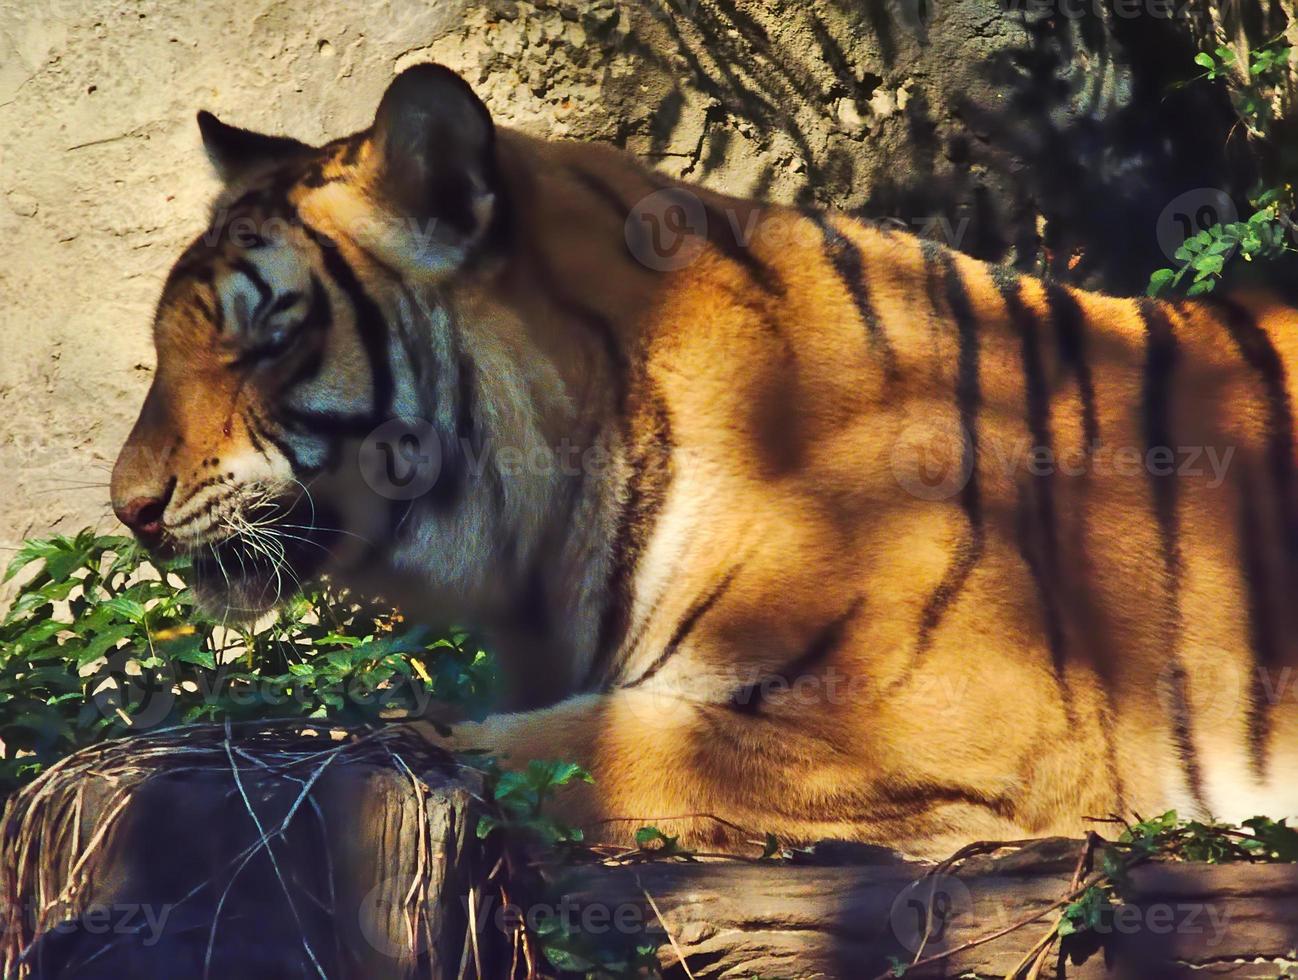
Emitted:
<point x="1044" y="132"/>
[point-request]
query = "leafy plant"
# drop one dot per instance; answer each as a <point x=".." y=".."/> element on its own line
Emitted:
<point x="1264" y="234"/>
<point x="1168" y="837"/>
<point x="101" y="640"/>
<point x="608" y="958"/>
<point x="520" y="796"/>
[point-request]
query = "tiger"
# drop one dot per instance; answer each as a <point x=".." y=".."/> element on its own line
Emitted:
<point x="778" y="520"/>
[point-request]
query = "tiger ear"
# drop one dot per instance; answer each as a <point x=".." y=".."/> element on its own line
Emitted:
<point x="238" y="153"/>
<point x="434" y="145"/>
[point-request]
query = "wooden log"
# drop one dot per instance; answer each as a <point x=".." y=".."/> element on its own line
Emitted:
<point x="262" y="852"/>
<point x="807" y="921"/>
<point x="267" y="851"/>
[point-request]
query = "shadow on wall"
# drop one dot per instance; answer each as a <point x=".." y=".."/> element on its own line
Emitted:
<point x="1048" y="133"/>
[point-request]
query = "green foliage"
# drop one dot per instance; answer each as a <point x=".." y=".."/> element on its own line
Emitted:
<point x="1259" y="839"/>
<point x="653" y="843"/>
<point x="1203" y="255"/>
<point x="101" y="641"/>
<point x="1088" y="911"/>
<point x="610" y="957"/>
<point x="1168" y="837"/>
<point x="1258" y="81"/>
<point x="1263" y="235"/>
<point x="520" y="796"/>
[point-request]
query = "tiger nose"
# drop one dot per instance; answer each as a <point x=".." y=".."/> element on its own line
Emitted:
<point x="143" y="515"/>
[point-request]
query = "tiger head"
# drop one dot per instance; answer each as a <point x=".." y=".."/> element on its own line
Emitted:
<point x="315" y="388"/>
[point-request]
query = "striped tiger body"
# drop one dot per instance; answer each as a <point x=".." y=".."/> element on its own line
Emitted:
<point x="804" y="526"/>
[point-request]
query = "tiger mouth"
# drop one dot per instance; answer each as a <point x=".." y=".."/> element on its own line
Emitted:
<point x="251" y="571"/>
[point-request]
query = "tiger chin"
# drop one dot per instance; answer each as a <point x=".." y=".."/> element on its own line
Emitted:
<point x="780" y="522"/>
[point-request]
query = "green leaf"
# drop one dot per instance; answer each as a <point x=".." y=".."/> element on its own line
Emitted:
<point x="30" y="551"/>
<point x="103" y="642"/>
<point x="1209" y="265"/>
<point x="568" y="960"/>
<point x="1159" y="280"/>
<point x="191" y="651"/>
<point x="126" y="608"/>
<point x="1204" y="60"/>
<point x="647" y="835"/>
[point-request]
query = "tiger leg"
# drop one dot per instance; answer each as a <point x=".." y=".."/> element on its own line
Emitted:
<point x="716" y="775"/>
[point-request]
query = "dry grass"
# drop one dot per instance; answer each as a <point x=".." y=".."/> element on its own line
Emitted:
<point x="51" y="845"/>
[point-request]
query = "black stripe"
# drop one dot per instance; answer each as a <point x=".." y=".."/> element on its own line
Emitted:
<point x="594" y="322"/>
<point x="1257" y="350"/>
<point x="1033" y="551"/>
<point x="1264" y="618"/>
<point x="725" y="238"/>
<point x="1161" y="356"/>
<point x="370" y="323"/>
<point x="205" y="309"/>
<point x="681" y="633"/>
<point x="310" y="421"/>
<point x="257" y="444"/>
<point x="1038" y="539"/>
<point x="264" y="293"/>
<point x="604" y="191"/>
<point x="1066" y="315"/>
<point x="968" y="389"/>
<point x="262" y="428"/>
<point x="931" y="253"/>
<point x="198" y="488"/>
<point x="453" y="477"/>
<point x="650" y="458"/>
<point x="1107" y="724"/>
<point x="846" y="259"/>
<point x="750" y="699"/>
<point x="1263" y="636"/>
<point x="946" y="280"/>
<point x="351" y="150"/>
<point x="967" y="555"/>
